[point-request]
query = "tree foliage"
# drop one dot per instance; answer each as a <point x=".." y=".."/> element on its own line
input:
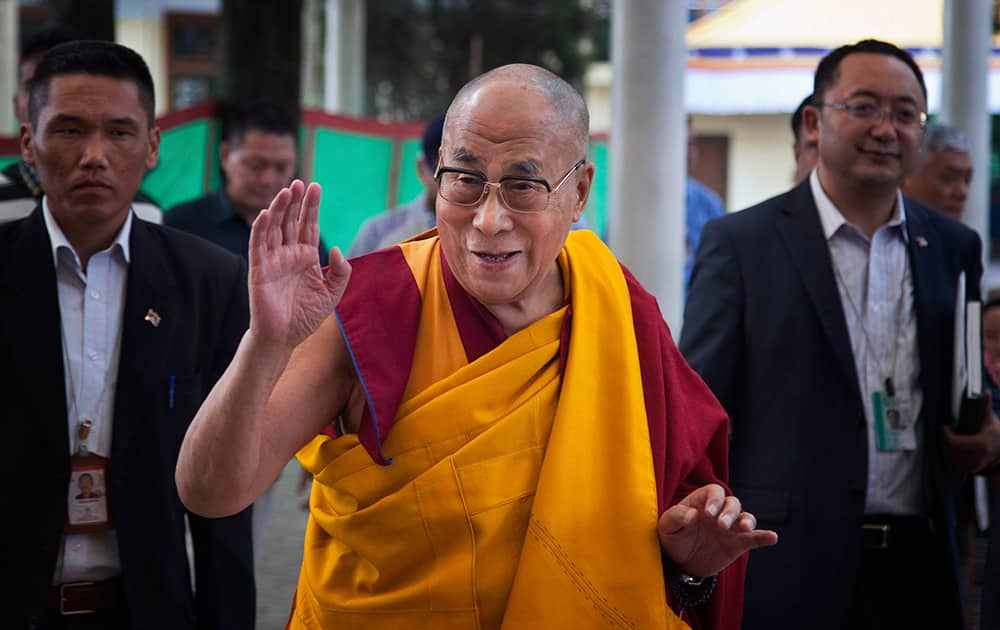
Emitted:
<point x="420" y="52"/>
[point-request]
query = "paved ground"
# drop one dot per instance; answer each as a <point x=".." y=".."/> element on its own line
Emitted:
<point x="279" y="558"/>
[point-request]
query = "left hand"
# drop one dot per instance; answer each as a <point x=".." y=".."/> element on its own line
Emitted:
<point x="980" y="449"/>
<point x="707" y="531"/>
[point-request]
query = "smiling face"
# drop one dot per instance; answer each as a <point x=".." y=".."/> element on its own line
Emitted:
<point x="91" y="146"/>
<point x="865" y="152"/>
<point x="504" y="258"/>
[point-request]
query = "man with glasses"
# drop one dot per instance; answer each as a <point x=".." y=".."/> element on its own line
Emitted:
<point x="814" y="317"/>
<point x="499" y="426"/>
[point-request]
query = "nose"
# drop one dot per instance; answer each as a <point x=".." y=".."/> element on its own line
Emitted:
<point x="962" y="190"/>
<point x="492" y="216"/>
<point x="885" y="126"/>
<point x="95" y="155"/>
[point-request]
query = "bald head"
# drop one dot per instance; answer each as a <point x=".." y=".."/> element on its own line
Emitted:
<point x="568" y="111"/>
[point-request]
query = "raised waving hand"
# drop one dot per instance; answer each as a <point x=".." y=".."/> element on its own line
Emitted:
<point x="289" y="295"/>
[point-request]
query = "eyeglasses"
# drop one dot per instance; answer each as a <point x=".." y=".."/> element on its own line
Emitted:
<point x="900" y="116"/>
<point x="521" y="194"/>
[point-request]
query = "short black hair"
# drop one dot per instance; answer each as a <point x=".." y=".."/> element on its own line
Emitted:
<point x="259" y="115"/>
<point x="98" y="58"/>
<point x="797" y="117"/>
<point x="46" y="39"/>
<point x="431" y="140"/>
<point x="827" y="71"/>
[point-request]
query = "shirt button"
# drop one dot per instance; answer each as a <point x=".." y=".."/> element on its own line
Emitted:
<point x="76" y="546"/>
<point x="95" y="294"/>
<point x="93" y="355"/>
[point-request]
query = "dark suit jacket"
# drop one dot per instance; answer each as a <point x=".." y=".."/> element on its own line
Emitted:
<point x="199" y="292"/>
<point x="765" y="328"/>
<point x="212" y="217"/>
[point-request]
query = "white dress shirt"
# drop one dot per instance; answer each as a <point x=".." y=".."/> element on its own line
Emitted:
<point x="876" y="292"/>
<point x="91" y="304"/>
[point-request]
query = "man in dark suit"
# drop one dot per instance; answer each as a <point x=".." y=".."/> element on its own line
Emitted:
<point x="811" y="316"/>
<point x="258" y="155"/>
<point x="112" y="330"/>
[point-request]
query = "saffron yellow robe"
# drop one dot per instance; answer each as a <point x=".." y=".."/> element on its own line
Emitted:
<point x="521" y="490"/>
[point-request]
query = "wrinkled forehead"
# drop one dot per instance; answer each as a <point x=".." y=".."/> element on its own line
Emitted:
<point x="513" y="123"/>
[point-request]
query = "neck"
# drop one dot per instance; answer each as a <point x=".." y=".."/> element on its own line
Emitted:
<point x="247" y="214"/>
<point x="546" y="298"/>
<point x="867" y="206"/>
<point x="89" y="239"/>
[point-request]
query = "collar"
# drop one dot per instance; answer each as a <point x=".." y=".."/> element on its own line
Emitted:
<point x="831" y="218"/>
<point x="30" y="178"/>
<point x="59" y="241"/>
<point x="224" y="211"/>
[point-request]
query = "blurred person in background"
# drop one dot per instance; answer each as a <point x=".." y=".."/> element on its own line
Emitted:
<point x="944" y="171"/>
<point x="803" y="147"/>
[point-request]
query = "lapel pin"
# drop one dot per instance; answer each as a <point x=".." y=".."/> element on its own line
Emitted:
<point x="921" y="241"/>
<point x="152" y="317"/>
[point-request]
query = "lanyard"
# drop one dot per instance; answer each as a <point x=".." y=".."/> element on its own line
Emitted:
<point x="85" y="423"/>
<point x="862" y="321"/>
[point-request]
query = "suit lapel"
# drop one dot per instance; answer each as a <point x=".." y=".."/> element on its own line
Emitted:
<point x="800" y="229"/>
<point x="29" y="299"/>
<point x="924" y="269"/>
<point x="143" y="345"/>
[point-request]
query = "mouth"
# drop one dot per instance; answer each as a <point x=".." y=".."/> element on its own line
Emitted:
<point x="495" y="258"/>
<point x="91" y="187"/>
<point x="879" y="154"/>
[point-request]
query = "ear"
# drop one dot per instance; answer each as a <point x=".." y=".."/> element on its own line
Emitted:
<point x="153" y="157"/>
<point x="223" y="153"/>
<point x="810" y="122"/>
<point x="582" y="189"/>
<point x="27" y="144"/>
<point x="424" y="172"/>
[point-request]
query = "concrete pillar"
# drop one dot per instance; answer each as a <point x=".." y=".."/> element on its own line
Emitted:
<point x="312" y="53"/>
<point x="648" y="146"/>
<point x="965" y="68"/>
<point x="8" y="69"/>
<point x="344" y="79"/>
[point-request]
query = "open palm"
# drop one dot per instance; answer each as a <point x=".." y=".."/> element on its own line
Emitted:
<point x="289" y="296"/>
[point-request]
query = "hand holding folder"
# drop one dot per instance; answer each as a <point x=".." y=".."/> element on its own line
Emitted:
<point x="967" y="376"/>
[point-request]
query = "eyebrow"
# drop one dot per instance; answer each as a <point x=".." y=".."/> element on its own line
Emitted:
<point x="66" y="118"/>
<point x="125" y="120"/>
<point x="525" y="166"/>
<point x="528" y="167"/>
<point x="465" y="156"/>
<point x="878" y="97"/>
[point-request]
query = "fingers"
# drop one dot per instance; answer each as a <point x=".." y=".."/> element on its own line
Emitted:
<point x="338" y="272"/>
<point x="265" y="233"/>
<point x="309" y="215"/>
<point x="676" y="518"/>
<point x="731" y="509"/>
<point x="290" y="219"/>
<point x="715" y="498"/>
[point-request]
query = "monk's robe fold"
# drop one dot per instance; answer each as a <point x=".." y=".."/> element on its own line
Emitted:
<point x="527" y="473"/>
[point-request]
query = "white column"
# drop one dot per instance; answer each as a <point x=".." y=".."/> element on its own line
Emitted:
<point x="965" y="59"/>
<point x="344" y="77"/>
<point x="648" y="146"/>
<point x="312" y="53"/>
<point x="8" y="69"/>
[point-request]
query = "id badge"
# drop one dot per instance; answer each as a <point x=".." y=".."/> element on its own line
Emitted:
<point x="89" y="508"/>
<point x="894" y="430"/>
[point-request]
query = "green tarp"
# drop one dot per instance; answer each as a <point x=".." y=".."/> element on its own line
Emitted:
<point x="364" y="167"/>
